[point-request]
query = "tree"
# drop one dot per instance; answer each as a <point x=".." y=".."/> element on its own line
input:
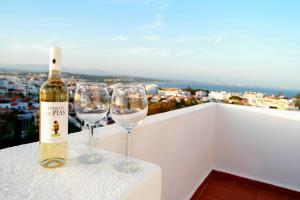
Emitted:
<point x="73" y="128"/>
<point x="193" y="91"/>
<point x="188" y="89"/>
<point x="7" y="129"/>
<point x="297" y="100"/>
<point x="236" y="98"/>
<point x="32" y="133"/>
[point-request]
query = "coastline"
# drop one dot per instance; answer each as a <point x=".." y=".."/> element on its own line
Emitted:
<point x="290" y="93"/>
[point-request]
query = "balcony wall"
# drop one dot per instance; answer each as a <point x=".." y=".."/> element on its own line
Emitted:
<point x="173" y="140"/>
<point x="259" y="144"/>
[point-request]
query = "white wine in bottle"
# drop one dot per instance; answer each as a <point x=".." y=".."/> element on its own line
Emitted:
<point x="53" y="115"/>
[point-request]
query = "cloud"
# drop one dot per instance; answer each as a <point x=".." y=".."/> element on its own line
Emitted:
<point x="221" y="37"/>
<point x="219" y="40"/>
<point x="213" y="38"/>
<point x="15" y="47"/>
<point x="149" y="51"/>
<point x="140" y="50"/>
<point x="26" y="46"/>
<point x="153" y="25"/>
<point x="160" y="8"/>
<point x="18" y="44"/>
<point x="196" y="38"/>
<point x="184" y="52"/>
<point x="152" y="37"/>
<point x="159" y="16"/>
<point x="40" y="46"/>
<point x="157" y="22"/>
<point x="119" y="38"/>
<point x="148" y="1"/>
<point x="180" y="39"/>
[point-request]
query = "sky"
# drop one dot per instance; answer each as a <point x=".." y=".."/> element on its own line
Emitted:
<point x="228" y="42"/>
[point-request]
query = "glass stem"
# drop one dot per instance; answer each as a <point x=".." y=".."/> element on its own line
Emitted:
<point x="91" y="153"/>
<point x="127" y="146"/>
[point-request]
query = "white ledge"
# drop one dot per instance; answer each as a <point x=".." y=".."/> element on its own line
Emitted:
<point x="286" y="114"/>
<point x="23" y="178"/>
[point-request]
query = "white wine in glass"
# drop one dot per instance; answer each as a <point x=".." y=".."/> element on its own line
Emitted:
<point x="129" y="106"/>
<point x="91" y="105"/>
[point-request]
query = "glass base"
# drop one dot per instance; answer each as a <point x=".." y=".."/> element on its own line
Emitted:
<point x="53" y="162"/>
<point x="127" y="167"/>
<point x="87" y="159"/>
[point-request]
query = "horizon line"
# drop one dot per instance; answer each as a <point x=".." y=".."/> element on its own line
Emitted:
<point x="110" y="73"/>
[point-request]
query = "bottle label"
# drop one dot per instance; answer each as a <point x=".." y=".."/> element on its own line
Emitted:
<point x="54" y="121"/>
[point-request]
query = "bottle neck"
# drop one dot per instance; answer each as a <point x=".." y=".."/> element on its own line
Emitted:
<point x="54" y="74"/>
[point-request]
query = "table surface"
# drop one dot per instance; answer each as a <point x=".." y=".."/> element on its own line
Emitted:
<point x="21" y="177"/>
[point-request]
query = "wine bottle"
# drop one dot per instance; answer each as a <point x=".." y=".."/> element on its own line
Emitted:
<point x="53" y="131"/>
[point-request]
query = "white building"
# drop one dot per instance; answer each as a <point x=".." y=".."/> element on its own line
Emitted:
<point x="201" y="93"/>
<point x="112" y="87"/>
<point x="5" y="105"/>
<point x="252" y="97"/>
<point x="184" y="93"/>
<point x="4" y="82"/>
<point x="151" y="88"/>
<point x="217" y="95"/>
<point x="31" y="89"/>
<point x="3" y="90"/>
<point x="169" y="92"/>
<point x="20" y="106"/>
<point x="36" y="105"/>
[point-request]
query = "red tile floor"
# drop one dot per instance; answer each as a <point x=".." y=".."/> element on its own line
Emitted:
<point x="219" y="185"/>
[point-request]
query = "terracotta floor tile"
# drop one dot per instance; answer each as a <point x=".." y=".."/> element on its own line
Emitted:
<point x="198" y="193"/>
<point x="293" y="198"/>
<point x="213" y="192"/>
<point x="243" y="192"/>
<point x="269" y="195"/>
<point x="226" y="187"/>
<point x="221" y="182"/>
<point x="206" y="198"/>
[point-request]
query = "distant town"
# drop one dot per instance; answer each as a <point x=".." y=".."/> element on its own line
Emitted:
<point x="19" y="101"/>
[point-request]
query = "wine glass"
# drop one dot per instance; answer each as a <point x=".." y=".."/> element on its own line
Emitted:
<point x="129" y="106"/>
<point x="91" y="105"/>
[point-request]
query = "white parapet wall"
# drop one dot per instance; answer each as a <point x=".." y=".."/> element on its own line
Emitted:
<point x="260" y="144"/>
<point x="179" y="141"/>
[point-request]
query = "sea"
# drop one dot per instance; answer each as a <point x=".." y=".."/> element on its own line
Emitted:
<point x="230" y="88"/>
